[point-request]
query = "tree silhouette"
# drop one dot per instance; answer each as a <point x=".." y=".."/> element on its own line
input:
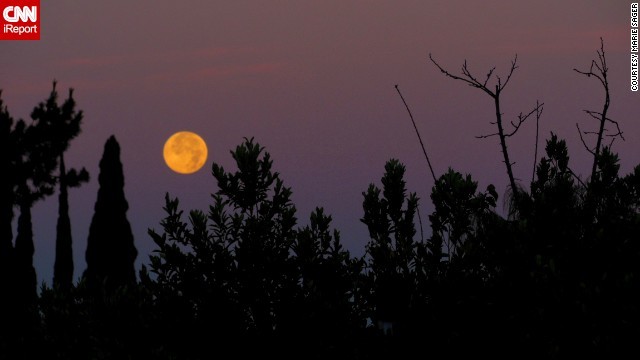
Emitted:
<point x="328" y="307"/>
<point x="39" y="146"/>
<point x="254" y="208"/>
<point x="65" y="125"/>
<point x="391" y="249"/>
<point x="8" y="159"/>
<point x="233" y="265"/>
<point x="458" y="210"/>
<point x="30" y="151"/>
<point x="502" y="134"/>
<point x="34" y="181"/>
<point x="63" y="267"/>
<point x="110" y="250"/>
<point x="601" y="71"/>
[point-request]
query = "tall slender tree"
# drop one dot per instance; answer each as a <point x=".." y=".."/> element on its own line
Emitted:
<point x="63" y="267"/>
<point x="110" y="249"/>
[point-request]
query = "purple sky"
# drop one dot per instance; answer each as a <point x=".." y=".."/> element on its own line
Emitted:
<point x="313" y="81"/>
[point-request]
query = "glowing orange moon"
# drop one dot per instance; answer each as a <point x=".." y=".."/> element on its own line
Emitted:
<point x="185" y="152"/>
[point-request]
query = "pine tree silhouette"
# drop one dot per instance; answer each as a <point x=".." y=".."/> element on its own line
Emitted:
<point x="110" y="250"/>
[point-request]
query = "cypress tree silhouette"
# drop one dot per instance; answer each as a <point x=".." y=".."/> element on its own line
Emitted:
<point x="68" y="126"/>
<point x="110" y="250"/>
<point x="63" y="267"/>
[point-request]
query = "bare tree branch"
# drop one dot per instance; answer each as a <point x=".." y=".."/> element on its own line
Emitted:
<point x="583" y="142"/>
<point x="598" y="116"/>
<point x="601" y="75"/>
<point x="591" y="73"/>
<point x="522" y="119"/>
<point x="471" y="80"/>
<point x="487" y="136"/>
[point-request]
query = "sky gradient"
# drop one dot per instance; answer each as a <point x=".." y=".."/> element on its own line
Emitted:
<point x="313" y="82"/>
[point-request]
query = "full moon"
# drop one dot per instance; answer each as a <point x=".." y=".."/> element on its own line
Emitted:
<point x="185" y="152"/>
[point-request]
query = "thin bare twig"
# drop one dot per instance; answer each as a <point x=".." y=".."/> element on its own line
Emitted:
<point x="539" y="109"/>
<point x="513" y="68"/>
<point x="420" y="220"/>
<point x="433" y="174"/>
<point x="489" y="76"/>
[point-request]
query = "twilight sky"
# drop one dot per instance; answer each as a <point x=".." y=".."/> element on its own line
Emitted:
<point x="312" y="81"/>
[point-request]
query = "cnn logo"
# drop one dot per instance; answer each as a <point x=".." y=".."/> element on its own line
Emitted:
<point x="20" y="20"/>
